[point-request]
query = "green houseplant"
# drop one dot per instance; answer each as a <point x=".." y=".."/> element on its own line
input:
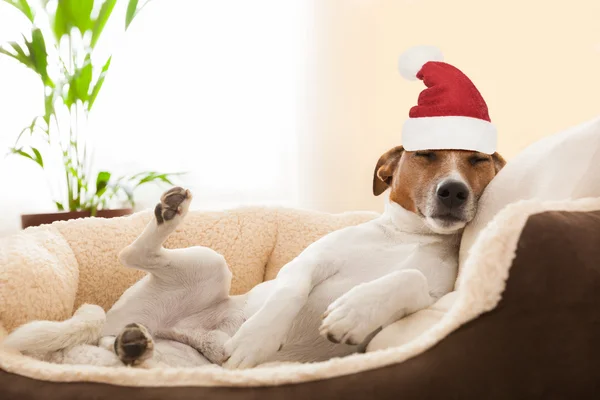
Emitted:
<point x="61" y="49"/>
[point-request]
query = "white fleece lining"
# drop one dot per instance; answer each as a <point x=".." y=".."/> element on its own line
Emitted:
<point x="482" y="284"/>
<point x="449" y="133"/>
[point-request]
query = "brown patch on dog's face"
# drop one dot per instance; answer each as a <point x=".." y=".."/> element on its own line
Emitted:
<point x="442" y="186"/>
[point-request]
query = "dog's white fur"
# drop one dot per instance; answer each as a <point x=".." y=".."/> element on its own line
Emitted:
<point x="327" y="302"/>
<point x="359" y="278"/>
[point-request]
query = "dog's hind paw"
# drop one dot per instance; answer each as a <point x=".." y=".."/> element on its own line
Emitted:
<point x="134" y="344"/>
<point x="174" y="202"/>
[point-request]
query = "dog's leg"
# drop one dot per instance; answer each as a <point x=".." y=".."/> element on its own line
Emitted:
<point x="263" y="334"/>
<point x="146" y="252"/>
<point x="135" y="346"/>
<point x="209" y="343"/>
<point x="372" y="305"/>
<point x="176" y="267"/>
<point x="42" y="338"/>
<point x="85" y="354"/>
<point x="176" y="275"/>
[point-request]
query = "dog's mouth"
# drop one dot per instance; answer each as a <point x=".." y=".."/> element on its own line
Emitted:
<point x="449" y="218"/>
<point x="446" y="223"/>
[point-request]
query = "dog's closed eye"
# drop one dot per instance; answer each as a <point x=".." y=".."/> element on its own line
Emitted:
<point x="478" y="160"/>
<point x="428" y="155"/>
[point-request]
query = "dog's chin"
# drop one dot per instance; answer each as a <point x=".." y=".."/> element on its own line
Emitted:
<point x="445" y="225"/>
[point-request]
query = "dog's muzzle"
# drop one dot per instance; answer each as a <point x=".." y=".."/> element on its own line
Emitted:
<point x="450" y="208"/>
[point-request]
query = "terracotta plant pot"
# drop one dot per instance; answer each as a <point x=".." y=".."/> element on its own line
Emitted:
<point x="28" y="220"/>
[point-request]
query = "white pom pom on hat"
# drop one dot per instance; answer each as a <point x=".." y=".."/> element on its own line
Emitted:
<point x="413" y="59"/>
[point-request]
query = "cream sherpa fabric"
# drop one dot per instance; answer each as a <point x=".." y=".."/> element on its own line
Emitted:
<point x="58" y="252"/>
<point x="49" y="271"/>
<point x="557" y="168"/>
<point x="38" y="277"/>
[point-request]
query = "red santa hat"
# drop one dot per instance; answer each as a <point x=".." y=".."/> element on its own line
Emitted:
<point x="451" y="113"/>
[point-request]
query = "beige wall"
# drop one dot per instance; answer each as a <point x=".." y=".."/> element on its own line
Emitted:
<point x="536" y="62"/>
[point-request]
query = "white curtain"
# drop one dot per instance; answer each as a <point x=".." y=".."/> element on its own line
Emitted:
<point x="212" y="88"/>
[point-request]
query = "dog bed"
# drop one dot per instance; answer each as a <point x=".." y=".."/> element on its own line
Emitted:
<point x="541" y="334"/>
<point x="524" y="321"/>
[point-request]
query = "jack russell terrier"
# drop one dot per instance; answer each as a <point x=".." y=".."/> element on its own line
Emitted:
<point x="331" y="299"/>
<point x="327" y="302"/>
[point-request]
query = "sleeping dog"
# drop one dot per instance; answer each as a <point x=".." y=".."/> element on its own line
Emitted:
<point x="327" y="302"/>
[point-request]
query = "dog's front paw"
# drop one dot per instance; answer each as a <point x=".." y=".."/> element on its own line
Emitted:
<point x="352" y="318"/>
<point x="213" y="347"/>
<point x="249" y="348"/>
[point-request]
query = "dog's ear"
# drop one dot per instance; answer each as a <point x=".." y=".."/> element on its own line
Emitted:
<point x="499" y="162"/>
<point x="385" y="168"/>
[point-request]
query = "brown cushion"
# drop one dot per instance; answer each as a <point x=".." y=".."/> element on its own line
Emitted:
<point x="542" y="341"/>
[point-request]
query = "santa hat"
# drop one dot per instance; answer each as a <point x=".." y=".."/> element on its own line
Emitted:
<point x="450" y="113"/>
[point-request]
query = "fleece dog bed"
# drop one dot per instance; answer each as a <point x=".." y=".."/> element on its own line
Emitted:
<point x="48" y="271"/>
<point x="524" y="321"/>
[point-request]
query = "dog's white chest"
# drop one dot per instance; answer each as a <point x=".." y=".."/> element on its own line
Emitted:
<point x="358" y="255"/>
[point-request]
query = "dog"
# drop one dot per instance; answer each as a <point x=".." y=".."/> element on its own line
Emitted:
<point x="327" y="302"/>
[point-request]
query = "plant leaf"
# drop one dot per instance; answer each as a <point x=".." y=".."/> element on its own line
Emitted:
<point x="18" y="55"/>
<point x="49" y="107"/>
<point x="22" y="6"/>
<point x="79" y="84"/>
<point x="29" y="129"/>
<point x="19" y="50"/>
<point x="151" y="176"/>
<point x="72" y="14"/>
<point x="134" y="8"/>
<point x="39" y="56"/>
<point x="81" y="12"/>
<point x="36" y="57"/>
<point x="59" y="206"/>
<point x="73" y="171"/>
<point x="98" y="84"/>
<point x="21" y="153"/>
<point x="38" y="157"/>
<point x="102" y="182"/>
<point x="60" y="21"/>
<point x="131" y="12"/>
<point x="163" y="178"/>
<point x="100" y="22"/>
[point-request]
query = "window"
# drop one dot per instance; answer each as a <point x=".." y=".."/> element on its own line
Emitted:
<point x="212" y="88"/>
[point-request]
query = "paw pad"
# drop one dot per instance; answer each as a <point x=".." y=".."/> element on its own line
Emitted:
<point x="134" y="344"/>
<point x="170" y="204"/>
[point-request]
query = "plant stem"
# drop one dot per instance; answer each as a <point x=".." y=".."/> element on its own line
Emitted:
<point x="69" y="161"/>
<point x="76" y="146"/>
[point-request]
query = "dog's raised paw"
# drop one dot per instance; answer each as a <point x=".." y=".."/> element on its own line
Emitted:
<point x="134" y="344"/>
<point x="173" y="202"/>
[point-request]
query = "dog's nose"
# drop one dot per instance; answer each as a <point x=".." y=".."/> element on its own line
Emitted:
<point x="453" y="193"/>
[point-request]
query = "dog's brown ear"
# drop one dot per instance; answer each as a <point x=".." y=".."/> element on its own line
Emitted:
<point x="499" y="162"/>
<point x="384" y="170"/>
